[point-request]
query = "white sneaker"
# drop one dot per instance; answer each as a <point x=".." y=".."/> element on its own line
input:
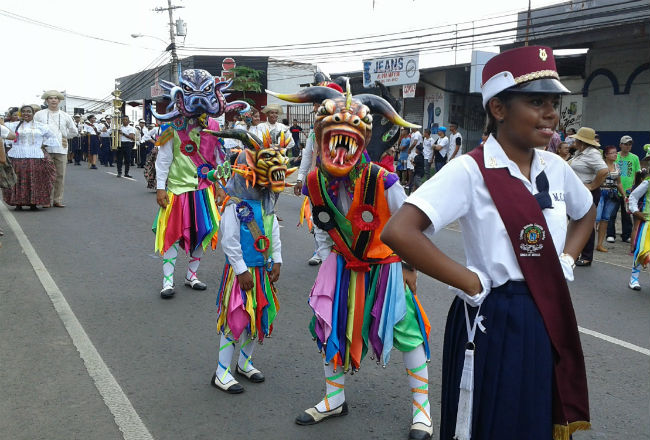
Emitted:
<point x="611" y="239"/>
<point x="628" y="240"/>
<point x="314" y="260"/>
<point x="634" y="285"/>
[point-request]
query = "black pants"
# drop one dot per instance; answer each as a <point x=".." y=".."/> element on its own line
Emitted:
<point x="144" y="149"/>
<point x="123" y="155"/>
<point x="626" y="221"/>
<point x="75" y="147"/>
<point x="587" y="253"/>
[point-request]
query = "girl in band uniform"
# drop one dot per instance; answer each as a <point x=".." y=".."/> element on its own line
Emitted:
<point x="512" y="361"/>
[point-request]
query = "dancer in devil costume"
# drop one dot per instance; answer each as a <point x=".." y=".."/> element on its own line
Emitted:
<point x="250" y="238"/>
<point x="188" y="217"/>
<point x="360" y="300"/>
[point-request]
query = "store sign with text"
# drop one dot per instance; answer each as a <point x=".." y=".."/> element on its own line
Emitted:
<point x="394" y="70"/>
<point x="408" y="90"/>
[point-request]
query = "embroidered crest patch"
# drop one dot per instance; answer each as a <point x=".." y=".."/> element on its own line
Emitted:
<point x="532" y="237"/>
<point x="543" y="55"/>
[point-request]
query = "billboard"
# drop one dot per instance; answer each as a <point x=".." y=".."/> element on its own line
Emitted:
<point x="392" y="70"/>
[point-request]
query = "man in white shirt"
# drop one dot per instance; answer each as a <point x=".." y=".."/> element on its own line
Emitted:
<point x="75" y="141"/>
<point x="105" y="152"/>
<point x="127" y="141"/>
<point x="142" y="135"/>
<point x="455" y="142"/>
<point x="427" y="144"/>
<point x="63" y="127"/>
<point x="441" y="148"/>
<point x="273" y="112"/>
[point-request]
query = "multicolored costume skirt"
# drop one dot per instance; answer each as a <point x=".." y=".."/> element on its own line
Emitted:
<point x="642" y="245"/>
<point x="253" y="310"/>
<point x="34" y="181"/>
<point x="355" y="311"/>
<point x="191" y="218"/>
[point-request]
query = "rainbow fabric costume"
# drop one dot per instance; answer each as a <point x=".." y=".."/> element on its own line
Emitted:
<point x="191" y="217"/>
<point x="359" y="299"/>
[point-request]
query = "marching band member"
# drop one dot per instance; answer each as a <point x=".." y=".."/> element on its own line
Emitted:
<point x="513" y="366"/>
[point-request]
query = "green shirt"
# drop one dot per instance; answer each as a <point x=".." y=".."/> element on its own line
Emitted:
<point x="629" y="167"/>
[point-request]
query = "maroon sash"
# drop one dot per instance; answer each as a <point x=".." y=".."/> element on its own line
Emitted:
<point x="537" y="258"/>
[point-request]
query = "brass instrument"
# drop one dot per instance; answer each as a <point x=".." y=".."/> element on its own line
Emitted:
<point x="116" y="120"/>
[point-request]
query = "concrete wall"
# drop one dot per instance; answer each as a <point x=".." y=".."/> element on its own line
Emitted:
<point x="612" y="113"/>
<point x="287" y="78"/>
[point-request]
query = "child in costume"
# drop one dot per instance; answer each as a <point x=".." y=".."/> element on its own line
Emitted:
<point x="250" y="238"/>
<point x="512" y="364"/>
<point x="188" y="217"/>
<point x="639" y="207"/>
<point x="359" y="299"/>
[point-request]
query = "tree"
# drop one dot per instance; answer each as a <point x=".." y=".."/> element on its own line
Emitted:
<point x="246" y="79"/>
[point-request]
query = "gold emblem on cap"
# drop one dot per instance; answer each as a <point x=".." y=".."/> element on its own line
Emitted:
<point x="542" y="54"/>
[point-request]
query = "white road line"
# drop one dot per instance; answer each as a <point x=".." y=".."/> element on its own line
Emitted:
<point x="125" y="416"/>
<point x="115" y="174"/>
<point x="614" y="341"/>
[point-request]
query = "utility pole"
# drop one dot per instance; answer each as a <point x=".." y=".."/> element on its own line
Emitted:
<point x="172" y="37"/>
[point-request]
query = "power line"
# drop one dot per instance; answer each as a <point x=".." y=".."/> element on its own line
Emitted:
<point x="462" y="40"/>
<point x="24" y="19"/>
<point x="403" y="35"/>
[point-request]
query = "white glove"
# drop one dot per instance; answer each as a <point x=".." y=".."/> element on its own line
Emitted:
<point x="567" y="263"/>
<point x="476" y="300"/>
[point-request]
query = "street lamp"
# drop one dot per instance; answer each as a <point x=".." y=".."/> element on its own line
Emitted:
<point x="149" y="36"/>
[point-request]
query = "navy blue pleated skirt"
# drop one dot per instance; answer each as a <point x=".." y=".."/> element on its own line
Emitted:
<point x="94" y="144"/>
<point x="513" y="370"/>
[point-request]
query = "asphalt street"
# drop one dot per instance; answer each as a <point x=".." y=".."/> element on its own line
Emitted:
<point x="99" y="253"/>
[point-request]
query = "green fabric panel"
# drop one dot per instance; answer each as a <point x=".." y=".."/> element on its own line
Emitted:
<point x="406" y="334"/>
<point x="343" y="223"/>
<point x="312" y="327"/>
<point x="155" y="221"/>
<point x="369" y="302"/>
<point x="268" y="228"/>
<point x="272" y="312"/>
<point x="182" y="172"/>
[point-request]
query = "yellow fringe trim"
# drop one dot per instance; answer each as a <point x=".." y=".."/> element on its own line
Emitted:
<point x="563" y="432"/>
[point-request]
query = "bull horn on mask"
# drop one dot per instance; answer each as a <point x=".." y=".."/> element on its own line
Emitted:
<point x="377" y="104"/>
<point x="315" y="94"/>
<point x="249" y="140"/>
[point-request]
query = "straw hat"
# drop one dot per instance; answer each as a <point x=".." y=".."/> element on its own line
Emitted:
<point x="55" y="93"/>
<point x="272" y="107"/>
<point x="586" y="135"/>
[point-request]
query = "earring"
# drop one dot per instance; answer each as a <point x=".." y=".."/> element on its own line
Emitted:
<point x="501" y="121"/>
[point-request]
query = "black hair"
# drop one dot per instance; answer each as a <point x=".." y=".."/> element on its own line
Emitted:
<point x="491" y="123"/>
<point x="639" y="177"/>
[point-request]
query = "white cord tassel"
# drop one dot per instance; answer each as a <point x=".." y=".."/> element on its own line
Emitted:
<point x="466" y="392"/>
<point x="466" y="397"/>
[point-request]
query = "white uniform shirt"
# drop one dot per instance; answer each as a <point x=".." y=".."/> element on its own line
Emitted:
<point x="129" y="129"/>
<point x="428" y="149"/>
<point x="104" y="130"/>
<point x="458" y="191"/>
<point x="89" y="128"/>
<point x="61" y="124"/>
<point x="395" y="197"/>
<point x="231" y="244"/>
<point x="4" y="132"/>
<point x="307" y="156"/>
<point x="452" y="146"/>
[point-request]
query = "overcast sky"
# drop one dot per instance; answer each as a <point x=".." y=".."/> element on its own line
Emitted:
<point x="37" y="57"/>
